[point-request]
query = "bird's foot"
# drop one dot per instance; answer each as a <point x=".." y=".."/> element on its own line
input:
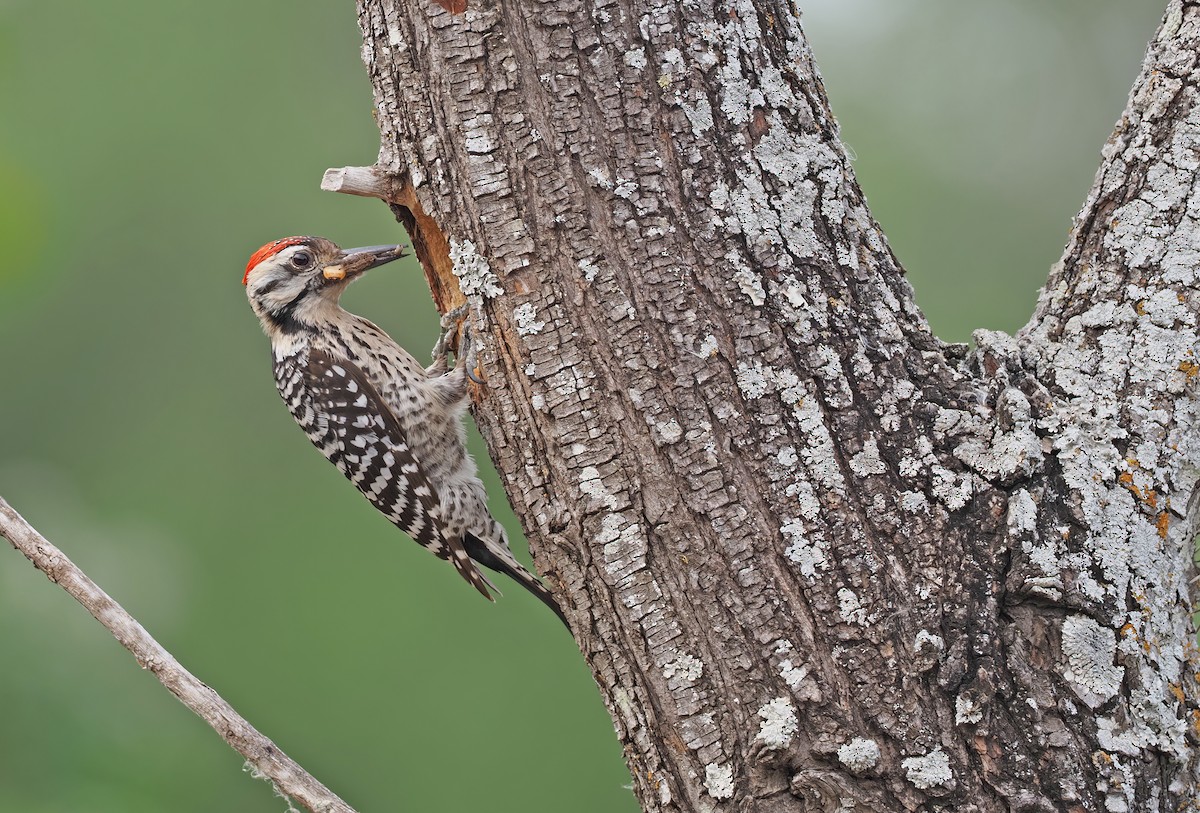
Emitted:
<point x="451" y="321"/>
<point x="456" y="337"/>
<point x="467" y="355"/>
<point x="454" y="317"/>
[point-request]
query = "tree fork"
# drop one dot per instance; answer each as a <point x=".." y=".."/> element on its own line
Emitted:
<point x="816" y="558"/>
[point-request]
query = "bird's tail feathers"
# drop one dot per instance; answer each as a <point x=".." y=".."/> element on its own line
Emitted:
<point x="501" y="560"/>
<point x="465" y="565"/>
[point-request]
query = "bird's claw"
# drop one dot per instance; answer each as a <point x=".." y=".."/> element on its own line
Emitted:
<point x="438" y="364"/>
<point x="452" y="318"/>
<point x="467" y="354"/>
<point x="456" y="336"/>
<point x="450" y="322"/>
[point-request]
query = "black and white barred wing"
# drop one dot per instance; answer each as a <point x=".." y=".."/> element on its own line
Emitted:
<point x="344" y="416"/>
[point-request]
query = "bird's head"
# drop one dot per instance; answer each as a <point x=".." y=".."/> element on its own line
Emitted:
<point x="297" y="281"/>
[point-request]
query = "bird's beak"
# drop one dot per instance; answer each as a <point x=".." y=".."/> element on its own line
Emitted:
<point x="354" y="261"/>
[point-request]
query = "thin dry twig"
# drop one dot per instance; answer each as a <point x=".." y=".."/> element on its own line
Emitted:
<point x="263" y="756"/>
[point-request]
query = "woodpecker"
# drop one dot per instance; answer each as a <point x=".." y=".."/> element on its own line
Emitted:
<point x="393" y="427"/>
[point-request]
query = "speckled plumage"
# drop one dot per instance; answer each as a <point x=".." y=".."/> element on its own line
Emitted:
<point x="393" y="427"/>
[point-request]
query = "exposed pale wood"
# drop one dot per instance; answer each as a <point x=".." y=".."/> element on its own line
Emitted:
<point x="366" y="182"/>
<point x="816" y="559"/>
<point x="262" y="756"/>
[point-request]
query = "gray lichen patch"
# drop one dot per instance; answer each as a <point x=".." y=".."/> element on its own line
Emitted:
<point x="931" y="770"/>
<point x="850" y="607"/>
<point x="1003" y="451"/>
<point x="859" y="754"/>
<point x="589" y="269"/>
<point x="807" y="549"/>
<point x="967" y="710"/>
<point x="718" y="780"/>
<point x="868" y="461"/>
<point x="475" y="276"/>
<point x="525" y="316"/>
<point x="779" y="723"/>
<point x="687" y="669"/>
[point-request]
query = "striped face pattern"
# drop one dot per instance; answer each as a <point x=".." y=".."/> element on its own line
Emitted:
<point x="270" y="250"/>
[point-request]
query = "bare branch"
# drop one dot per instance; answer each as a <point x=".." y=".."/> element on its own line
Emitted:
<point x="367" y="182"/>
<point x="263" y="755"/>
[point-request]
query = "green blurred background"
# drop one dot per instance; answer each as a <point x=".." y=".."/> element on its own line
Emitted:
<point x="146" y="149"/>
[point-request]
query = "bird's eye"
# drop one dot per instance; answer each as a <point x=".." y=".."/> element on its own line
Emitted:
<point x="302" y="260"/>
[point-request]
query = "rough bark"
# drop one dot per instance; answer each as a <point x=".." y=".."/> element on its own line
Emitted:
<point x="817" y="559"/>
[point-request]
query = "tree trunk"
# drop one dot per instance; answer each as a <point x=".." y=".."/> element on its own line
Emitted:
<point x="816" y="558"/>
